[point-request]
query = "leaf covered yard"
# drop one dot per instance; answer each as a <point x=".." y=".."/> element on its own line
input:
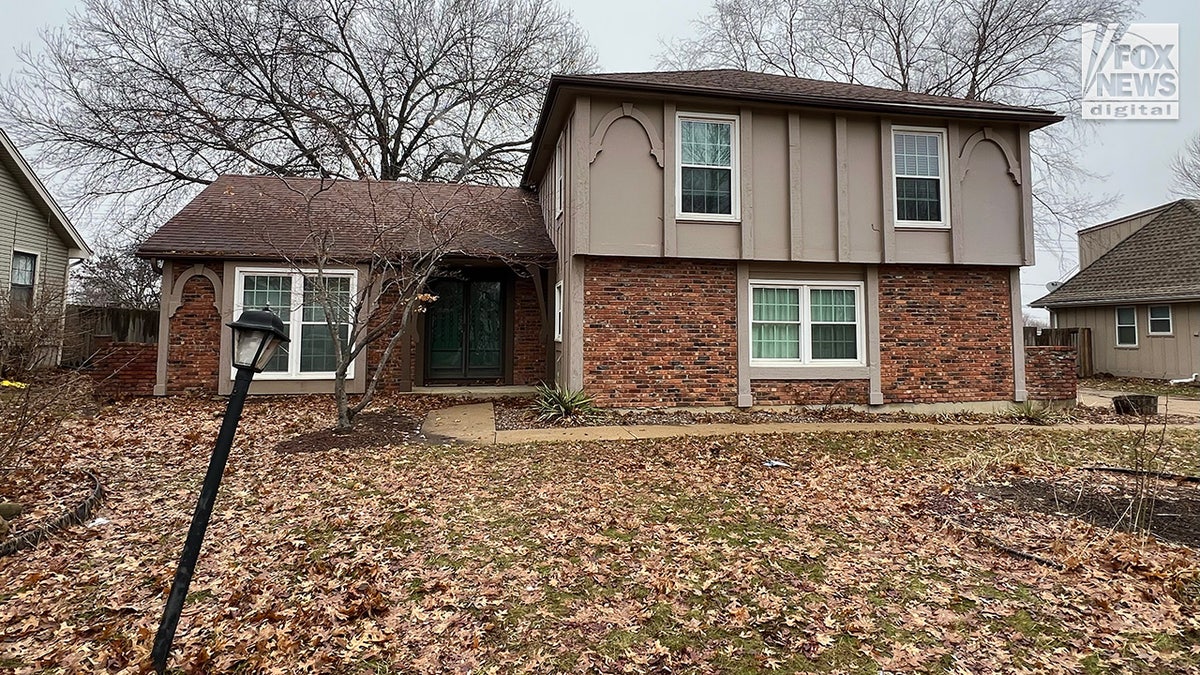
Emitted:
<point x="866" y="552"/>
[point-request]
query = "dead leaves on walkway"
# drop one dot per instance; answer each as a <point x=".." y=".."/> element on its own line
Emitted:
<point x="657" y="556"/>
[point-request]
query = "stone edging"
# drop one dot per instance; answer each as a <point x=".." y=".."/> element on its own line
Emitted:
<point x="73" y="517"/>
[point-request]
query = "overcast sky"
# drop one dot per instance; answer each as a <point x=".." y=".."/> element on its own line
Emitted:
<point x="1134" y="156"/>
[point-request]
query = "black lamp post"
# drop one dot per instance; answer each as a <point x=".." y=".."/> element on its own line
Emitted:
<point x="256" y="335"/>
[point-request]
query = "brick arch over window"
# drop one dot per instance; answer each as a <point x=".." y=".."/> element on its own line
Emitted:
<point x="986" y="134"/>
<point x="626" y="110"/>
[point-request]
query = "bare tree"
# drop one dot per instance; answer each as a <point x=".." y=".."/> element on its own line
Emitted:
<point x="1022" y="52"/>
<point x="397" y="236"/>
<point x="1186" y="170"/>
<point x="115" y="277"/>
<point x="148" y="100"/>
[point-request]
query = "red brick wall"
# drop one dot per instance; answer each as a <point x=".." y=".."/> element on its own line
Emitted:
<point x="810" y="392"/>
<point x="194" y="338"/>
<point x="945" y="333"/>
<point x="122" y="369"/>
<point x="660" y="332"/>
<point x="1050" y="373"/>
<point x="529" y="352"/>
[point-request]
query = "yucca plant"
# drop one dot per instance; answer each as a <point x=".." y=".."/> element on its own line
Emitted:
<point x="1032" y="413"/>
<point x="559" y="404"/>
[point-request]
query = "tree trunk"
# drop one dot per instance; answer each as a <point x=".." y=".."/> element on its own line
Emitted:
<point x="345" y="417"/>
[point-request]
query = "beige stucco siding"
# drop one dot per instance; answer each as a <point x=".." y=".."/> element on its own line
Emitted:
<point x="814" y="186"/>
<point x="23" y="227"/>
<point x="1156" y="356"/>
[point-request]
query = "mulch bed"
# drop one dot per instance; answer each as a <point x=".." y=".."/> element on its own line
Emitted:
<point x="1106" y="500"/>
<point x="393" y="420"/>
<point x="43" y="496"/>
<point x="515" y="413"/>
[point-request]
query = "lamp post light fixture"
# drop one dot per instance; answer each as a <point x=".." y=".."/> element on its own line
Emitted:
<point x="256" y="335"/>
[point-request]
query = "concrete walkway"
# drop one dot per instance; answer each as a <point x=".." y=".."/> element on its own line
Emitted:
<point x="1102" y="398"/>
<point x="476" y="424"/>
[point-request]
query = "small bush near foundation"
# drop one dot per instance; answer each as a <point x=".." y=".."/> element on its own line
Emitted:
<point x="1032" y="413"/>
<point x="557" y="404"/>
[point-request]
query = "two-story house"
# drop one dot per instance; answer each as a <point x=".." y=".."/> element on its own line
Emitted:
<point x="715" y="238"/>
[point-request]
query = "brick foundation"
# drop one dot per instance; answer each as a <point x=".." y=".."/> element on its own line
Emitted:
<point x="945" y="334"/>
<point x="194" y="338"/>
<point x="810" y="392"/>
<point x="660" y="332"/>
<point x="122" y="369"/>
<point x="1050" y="373"/>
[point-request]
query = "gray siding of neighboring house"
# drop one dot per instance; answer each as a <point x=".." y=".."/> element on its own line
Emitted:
<point x="1156" y="356"/>
<point x="24" y="227"/>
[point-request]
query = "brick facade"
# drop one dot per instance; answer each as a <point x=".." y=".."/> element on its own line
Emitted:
<point x="810" y="392"/>
<point x="660" y="332"/>
<point x="529" y="350"/>
<point x="945" y="334"/>
<point x="194" y="337"/>
<point x="1050" y="373"/>
<point x="122" y="369"/>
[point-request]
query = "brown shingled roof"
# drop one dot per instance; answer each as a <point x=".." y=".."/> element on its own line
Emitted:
<point x="271" y="218"/>
<point x="1159" y="261"/>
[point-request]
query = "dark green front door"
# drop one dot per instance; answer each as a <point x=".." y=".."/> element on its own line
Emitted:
<point x="465" y="330"/>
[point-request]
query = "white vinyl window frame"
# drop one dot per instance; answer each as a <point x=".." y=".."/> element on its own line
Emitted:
<point x="806" y="323"/>
<point x="37" y="272"/>
<point x="943" y="179"/>
<point x="1169" y="318"/>
<point x="296" y="315"/>
<point x="558" y="312"/>
<point x="1132" y="312"/>
<point x="560" y="171"/>
<point x="735" y="176"/>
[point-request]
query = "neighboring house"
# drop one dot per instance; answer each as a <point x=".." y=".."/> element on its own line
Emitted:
<point x="719" y="238"/>
<point x="37" y="240"/>
<point x="1138" y="290"/>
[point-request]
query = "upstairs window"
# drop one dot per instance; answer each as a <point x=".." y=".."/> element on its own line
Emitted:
<point x="24" y="271"/>
<point x="300" y="300"/>
<point x="919" y="170"/>
<point x="1160" y="320"/>
<point x="1127" y="334"/>
<point x="708" y="167"/>
<point x="559" y="178"/>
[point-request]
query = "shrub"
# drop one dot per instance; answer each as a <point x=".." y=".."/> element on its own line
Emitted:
<point x="1032" y="413"/>
<point x="558" y="404"/>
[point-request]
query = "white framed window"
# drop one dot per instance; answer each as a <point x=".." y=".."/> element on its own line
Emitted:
<point x="299" y="297"/>
<point x="806" y="323"/>
<point x="919" y="171"/>
<point x="558" y="311"/>
<point x="22" y="279"/>
<point x="559" y="177"/>
<point x="1160" y="320"/>
<point x="1127" y="333"/>
<point x="707" y="170"/>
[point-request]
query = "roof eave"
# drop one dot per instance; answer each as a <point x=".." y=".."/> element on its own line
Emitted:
<point x="77" y="247"/>
<point x="1129" y="300"/>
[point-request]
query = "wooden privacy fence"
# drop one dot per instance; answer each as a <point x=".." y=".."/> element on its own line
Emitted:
<point x="87" y="329"/>
<point x="1079" y="338"/>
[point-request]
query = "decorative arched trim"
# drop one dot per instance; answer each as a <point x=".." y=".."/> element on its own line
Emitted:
<point x="195" y="270"/>
<point x="986" y="134"/>
<point x="626" y="110"/>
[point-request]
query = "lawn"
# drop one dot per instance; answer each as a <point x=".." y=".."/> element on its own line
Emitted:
<point x="868" y="552"/>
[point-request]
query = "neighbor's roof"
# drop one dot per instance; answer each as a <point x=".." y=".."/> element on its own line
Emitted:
<point x="780" y="89"/>
<point x="11" y="158"/>
<point x="272" y="218"/>
<point x="1159" y="262"/>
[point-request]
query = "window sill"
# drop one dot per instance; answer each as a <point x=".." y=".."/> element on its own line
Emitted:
<point x="809" y="372"/>
<point x="1154" y="335"/>
<point x="686" y="218"/>
<point x="1125" y="346"/>
<point x="922" y="226"/>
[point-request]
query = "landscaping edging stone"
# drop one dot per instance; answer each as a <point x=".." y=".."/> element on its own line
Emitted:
<point x="75" y="516"/>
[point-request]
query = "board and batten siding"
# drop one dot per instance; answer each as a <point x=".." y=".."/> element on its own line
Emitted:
<point x="24" y="227"/>
<point x="1158" y="357"/>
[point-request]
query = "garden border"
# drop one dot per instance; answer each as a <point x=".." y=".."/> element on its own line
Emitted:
<point x="75" y="516"/>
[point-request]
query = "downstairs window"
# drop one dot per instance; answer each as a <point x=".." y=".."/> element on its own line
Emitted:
<point x="806" y="324"/>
